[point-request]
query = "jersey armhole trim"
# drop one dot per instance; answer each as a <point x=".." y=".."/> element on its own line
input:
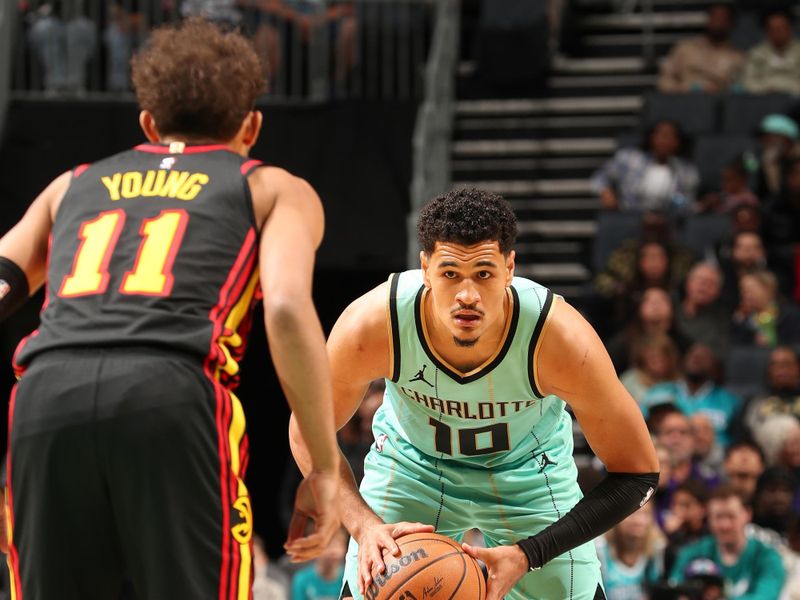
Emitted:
<point x="80" y="170"/>
<point x="250" y="166"/>
<point x="392" y="323"/>
<point x="536" y="338"/>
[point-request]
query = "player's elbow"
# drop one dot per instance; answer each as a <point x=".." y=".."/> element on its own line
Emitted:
<point x="286" y="313"/>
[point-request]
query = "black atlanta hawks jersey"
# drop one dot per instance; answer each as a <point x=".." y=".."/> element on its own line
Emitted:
<point x="155" y="246"/>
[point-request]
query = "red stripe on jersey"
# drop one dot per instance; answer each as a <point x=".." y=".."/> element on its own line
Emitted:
<point x="13" y="555"/>
<point x="79" y="170"/>
<point x="217" y="314"/>
<point x="156" y="149"/>
<point x="249" y="166"/>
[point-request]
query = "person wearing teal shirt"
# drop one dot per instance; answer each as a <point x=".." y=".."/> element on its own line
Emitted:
<point x="323" y="579"/>
<point x="751" y="569"/>
<point x="698" y="392"/>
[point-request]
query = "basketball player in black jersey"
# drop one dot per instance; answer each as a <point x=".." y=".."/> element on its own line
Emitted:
<point x="127" y="449"/>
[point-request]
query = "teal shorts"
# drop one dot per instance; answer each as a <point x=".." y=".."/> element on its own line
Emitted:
<point x="506" y="503"/>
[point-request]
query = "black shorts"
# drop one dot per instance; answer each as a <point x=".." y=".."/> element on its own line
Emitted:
<point x="125" y="468"/>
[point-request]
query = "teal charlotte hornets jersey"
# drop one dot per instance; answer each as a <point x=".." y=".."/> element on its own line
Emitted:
<point x="493" y="415"/>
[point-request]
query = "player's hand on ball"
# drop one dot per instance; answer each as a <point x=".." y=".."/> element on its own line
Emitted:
<point x="506" y="565"/>
<point x="316" y="500"/>
<point x="377" y="540"/>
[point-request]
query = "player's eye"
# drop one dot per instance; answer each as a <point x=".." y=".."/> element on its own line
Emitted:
<point x="450" y="274"/>
<point x="484" y="275"/>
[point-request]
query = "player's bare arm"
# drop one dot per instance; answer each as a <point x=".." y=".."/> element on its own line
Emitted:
<point x="291" y="232"/>
<point x="359" y="351"/>
<point x="573" y="364"/>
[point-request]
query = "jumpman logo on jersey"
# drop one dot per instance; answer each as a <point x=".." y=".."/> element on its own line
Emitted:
<point x="545" y="460"/>
<point x="420" y="376"/>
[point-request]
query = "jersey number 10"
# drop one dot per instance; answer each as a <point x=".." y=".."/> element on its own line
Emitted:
<point x="151" y="274"/>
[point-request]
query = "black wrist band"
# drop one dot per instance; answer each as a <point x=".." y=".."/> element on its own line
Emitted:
<point x="13" y="287"/>
<point x="614" y="498"/>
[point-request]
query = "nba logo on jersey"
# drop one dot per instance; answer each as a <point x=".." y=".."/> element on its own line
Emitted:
<point x="167" y="163"/>
<point x="379" y="441"/>
<point x="4" y="288"/>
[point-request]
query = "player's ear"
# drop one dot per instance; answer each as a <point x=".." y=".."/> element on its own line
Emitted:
<point x="149" y="127"/>
<point x="251" y="128"/>
<point x="510" y="264"/>
<point x="424" y="264"/>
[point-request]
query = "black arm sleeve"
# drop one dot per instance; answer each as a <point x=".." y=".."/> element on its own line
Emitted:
<point x="13" y="287"/>
<point x="614" y="498"/>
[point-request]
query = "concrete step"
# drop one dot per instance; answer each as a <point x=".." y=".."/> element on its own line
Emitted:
<point x="630" y="40"/>
<point x="549" y="248"/>
<point x="596" y="82"/>
<point x="563" y="65"/>
<point x="517" y="123"/>
<point x="593" y="105"/>
<point x="657" y="4"/>
<point x="604" y="146"/>
<point x="566" y="229"/>
<point x="638" y="21"/>
<point x="554" y="272"/>
<point x="527" y="164"/>
<point x="525" y="187"/>
<point x="538" y="205"/>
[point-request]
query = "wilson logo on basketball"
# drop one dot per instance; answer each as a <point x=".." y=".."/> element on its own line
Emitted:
<point x="391" y="570"/>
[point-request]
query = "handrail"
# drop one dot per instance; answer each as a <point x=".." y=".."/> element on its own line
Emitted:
<point x="433" y="130"/>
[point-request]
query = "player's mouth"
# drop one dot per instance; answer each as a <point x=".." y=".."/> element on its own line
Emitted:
<point x="467" y="319"/>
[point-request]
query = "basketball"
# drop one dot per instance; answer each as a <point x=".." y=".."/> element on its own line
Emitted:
<point x="429" y="566"/>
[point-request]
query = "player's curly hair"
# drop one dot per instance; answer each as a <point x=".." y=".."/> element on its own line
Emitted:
<point x="197" y="80"/>
<point x="467" y="216"/>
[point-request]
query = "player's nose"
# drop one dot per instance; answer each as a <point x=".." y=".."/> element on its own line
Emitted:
<point x="468" y="293"/>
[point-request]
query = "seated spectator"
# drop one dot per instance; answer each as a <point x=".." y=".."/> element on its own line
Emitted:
<point x="324" y="578"/>
<point x="774" y="65"/>
<point x="686" y="522"/>
<point x="654" y="316"/>
<point x="655" y="359"/>
<point x="783" y="383"/>
<point x="744" y="463"/>
<point x="779" y="438"/>
<point x="701" y="316"/>
<point x="631" y="555"/>
<point x="762" y="319"/>
<point x="774" y="500"/>
<point x="734" y="192"/>
<point x="223" y="12"/>
<point x="268" y="584"/>
<point x="674" y="433"/>
<point x="652" y="259"/>
<point x="705" y="63"/>
<point x="65" y="46"/>
<point x="750" y="568"/>
<point x="777" y="138"/>
<point x="708" y="452"/>
<point x="745" y="255"/>
<point x="655" y="178"/>
<point x="124" y="33"/>
<point x="699" y="391"/>
<point x="783" y="210"/>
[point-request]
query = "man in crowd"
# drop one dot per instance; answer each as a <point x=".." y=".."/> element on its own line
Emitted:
<point x="705" y="63"/>
<point x="701" y="317"/>
<point x="744" y="463"/>
<point x="783" y="383"/>
<point x="750" y="568"/>
<point x="774" y="65"/>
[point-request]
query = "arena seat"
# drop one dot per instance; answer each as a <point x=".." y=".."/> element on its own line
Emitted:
<point x="695" y="113"/>
<point x="713" y="152"/>
<point x="746" y="370"/>
<point x="701" y="233"/>
<point x="613" y="228"/>
<point x="742" y="113"/>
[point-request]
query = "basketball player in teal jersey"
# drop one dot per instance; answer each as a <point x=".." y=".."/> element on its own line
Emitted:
<point x="473" y="431"/>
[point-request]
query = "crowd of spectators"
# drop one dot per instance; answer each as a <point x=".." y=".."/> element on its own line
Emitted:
<point x="704" y="330"/>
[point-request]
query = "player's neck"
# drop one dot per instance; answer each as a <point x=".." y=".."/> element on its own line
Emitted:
<point x="465" y="358"/>
<point x="233" y="145"/>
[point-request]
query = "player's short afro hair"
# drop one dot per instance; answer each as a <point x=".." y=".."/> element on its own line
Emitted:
<point x="467" y="216"/>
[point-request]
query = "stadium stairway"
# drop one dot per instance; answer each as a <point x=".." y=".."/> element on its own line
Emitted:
<point x="539" y="151"/>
